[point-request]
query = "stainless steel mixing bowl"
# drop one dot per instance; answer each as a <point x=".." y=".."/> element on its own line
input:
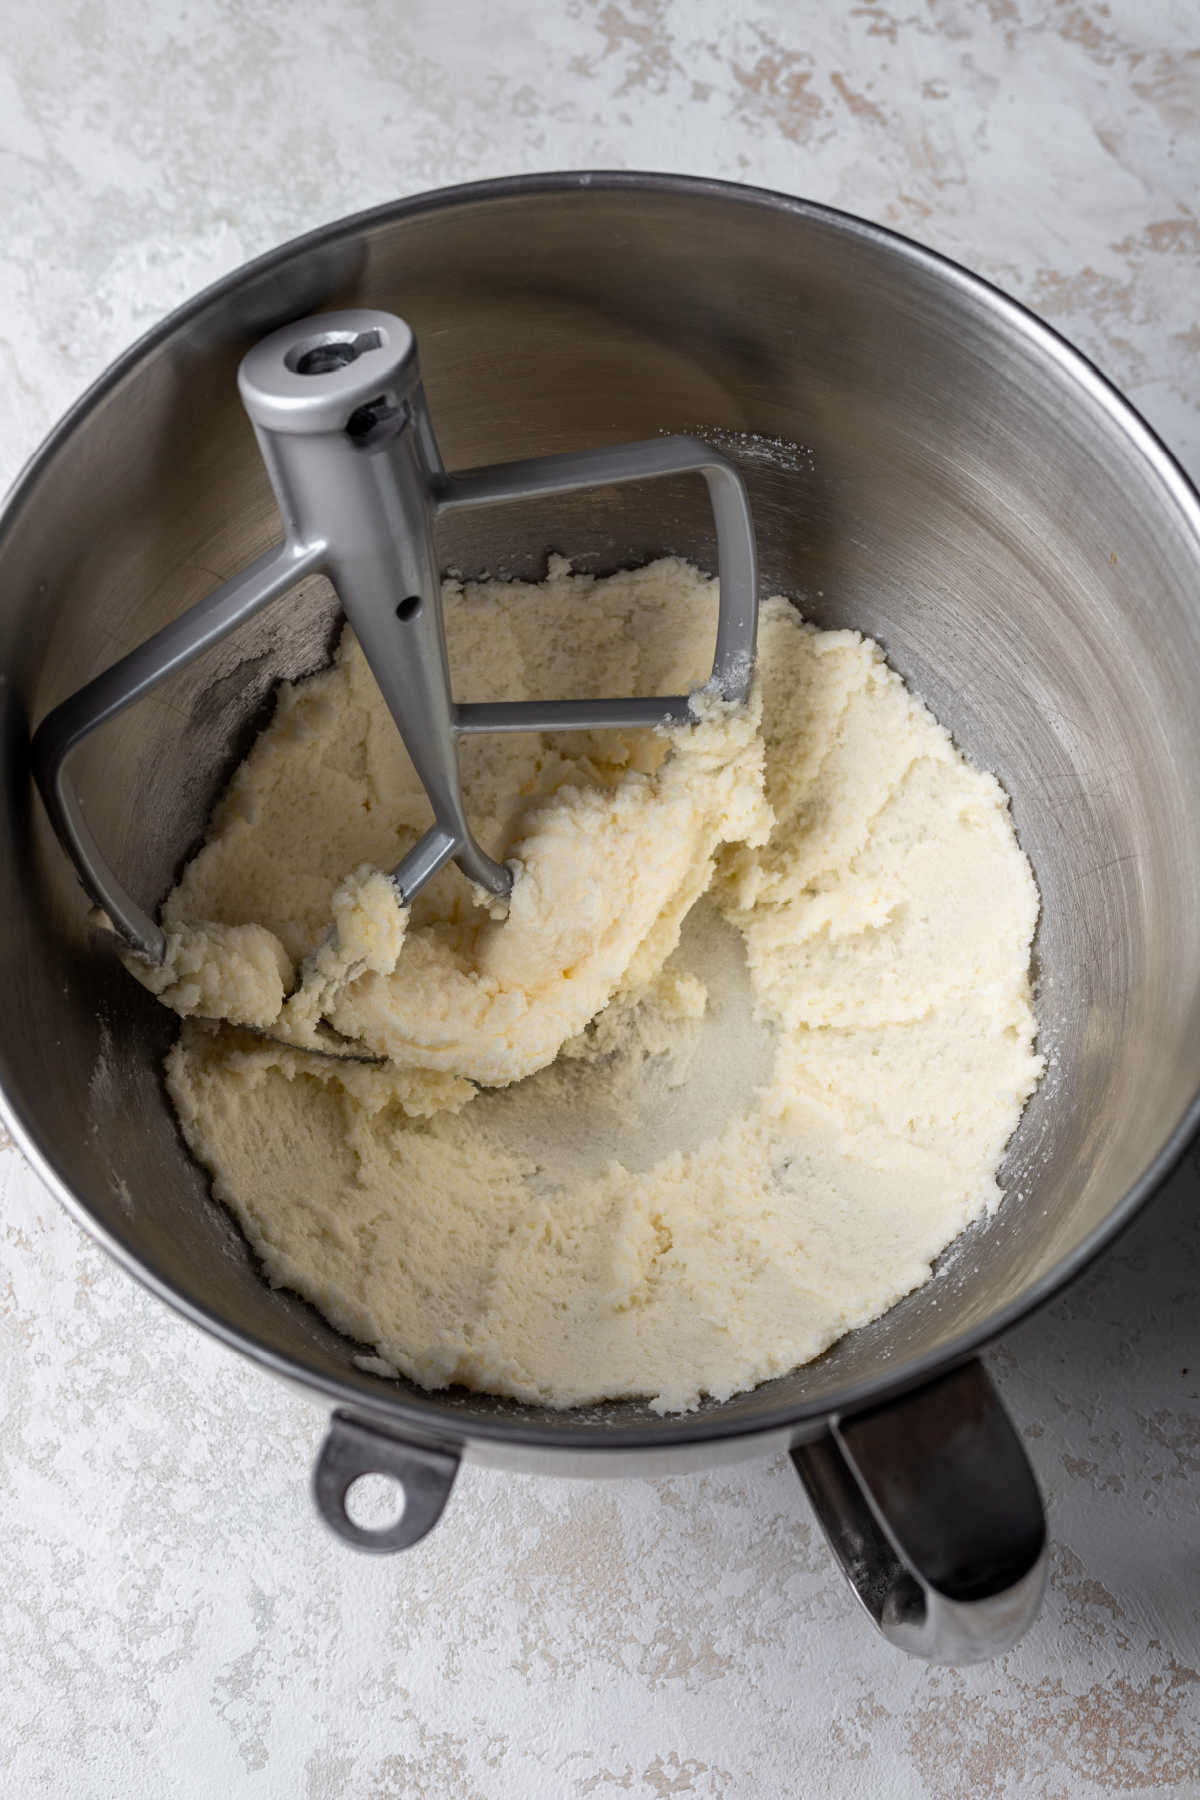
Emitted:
<point x="927" y="462"/>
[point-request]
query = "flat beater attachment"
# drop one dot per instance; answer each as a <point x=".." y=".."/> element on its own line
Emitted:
<point x="339" y="412"/>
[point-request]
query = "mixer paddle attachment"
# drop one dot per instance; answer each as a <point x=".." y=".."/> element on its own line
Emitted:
<point x="339" y="412"/>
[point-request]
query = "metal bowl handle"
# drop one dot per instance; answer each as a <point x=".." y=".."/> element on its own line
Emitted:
<point x="928" y="1501"/>
<point x="932" y="1509"/>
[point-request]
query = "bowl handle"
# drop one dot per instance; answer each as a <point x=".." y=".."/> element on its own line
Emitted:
<point x="933" y="1511"/>
<point x="353" y="1447"/>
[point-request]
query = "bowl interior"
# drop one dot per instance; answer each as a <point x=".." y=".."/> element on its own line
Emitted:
<point x="923" y="464"/>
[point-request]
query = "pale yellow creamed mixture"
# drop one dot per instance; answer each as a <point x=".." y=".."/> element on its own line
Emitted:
<point x="602" y="1160"/>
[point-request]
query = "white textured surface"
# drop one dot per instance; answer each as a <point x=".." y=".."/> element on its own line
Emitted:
<point x="174" y="1621"/>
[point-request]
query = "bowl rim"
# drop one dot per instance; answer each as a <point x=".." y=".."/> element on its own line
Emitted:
<point x="429" y="1418"/>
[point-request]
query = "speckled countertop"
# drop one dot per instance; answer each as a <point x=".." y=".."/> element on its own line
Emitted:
<point x="174" y="1620"/>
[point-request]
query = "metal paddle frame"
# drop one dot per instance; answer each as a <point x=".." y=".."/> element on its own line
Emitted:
<point x="340" y="415"/>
